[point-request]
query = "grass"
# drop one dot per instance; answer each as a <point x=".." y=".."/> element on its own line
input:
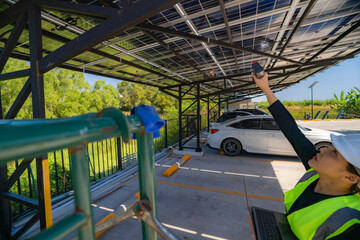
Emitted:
<point x="298" y="112"/>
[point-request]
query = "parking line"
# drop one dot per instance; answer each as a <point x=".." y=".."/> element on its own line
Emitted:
<point x="252" y="159"/>
<point x="221" y="191"/>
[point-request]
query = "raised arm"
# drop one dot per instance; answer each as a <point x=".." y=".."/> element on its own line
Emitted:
<point x="302" y="146"/>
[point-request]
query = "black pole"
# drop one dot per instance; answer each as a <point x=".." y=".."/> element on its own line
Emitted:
<point x="180" y="121"/>
<point x="198" y="148"/>
<point x="5" y="209"/>
<point x="1" y="114"/>
<point x="118" y="144"/>
<point x="37" y="89"/>
<point x="227" y="102"/>
<point x="312" y="108"/>
<point x="166" y="133"/>
<point x="219" y="106"/>
<point x="208" y="114"/>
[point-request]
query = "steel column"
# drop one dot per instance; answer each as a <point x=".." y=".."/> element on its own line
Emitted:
<point x="198" y="148"/>
<point x="180" y="120"/>
<point x="118" y="144"/>
<point x="166" y="133"/>
<point x="146" y="165"/>
<point x="208" y="114"/>
<point x="5" y="209"/>
<point x="37" y="89"/>
<point x="1" y="112"/>
<point x="219" y="105"/>
<point x="81" y="186"/>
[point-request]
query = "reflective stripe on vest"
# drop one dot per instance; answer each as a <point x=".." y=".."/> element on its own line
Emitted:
<point x="324" y="219"/>
<point x="332" y="223"/>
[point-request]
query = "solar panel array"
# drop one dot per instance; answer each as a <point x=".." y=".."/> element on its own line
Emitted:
<point x="269" y="26"/>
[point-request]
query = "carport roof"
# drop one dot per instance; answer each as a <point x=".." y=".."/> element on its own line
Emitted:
<point x="212" y="42"/>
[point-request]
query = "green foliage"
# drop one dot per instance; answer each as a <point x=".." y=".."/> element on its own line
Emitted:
<point x="288" y="103"/>
<point x="263" y="105"/>
<point x="132" y="94"/>
<point x="349" y="103"/>
<point x="66" y="93"/>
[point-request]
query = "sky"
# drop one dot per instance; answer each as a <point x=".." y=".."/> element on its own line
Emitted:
<point x="341" y="77"/>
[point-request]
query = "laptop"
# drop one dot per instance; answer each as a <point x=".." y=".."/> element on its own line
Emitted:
<point x="270" y="225"/>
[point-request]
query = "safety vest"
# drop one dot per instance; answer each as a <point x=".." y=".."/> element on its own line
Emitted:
<point x="324" y="219"/>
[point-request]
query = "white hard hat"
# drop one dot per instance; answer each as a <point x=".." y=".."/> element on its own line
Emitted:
<point x="349" y="147"/>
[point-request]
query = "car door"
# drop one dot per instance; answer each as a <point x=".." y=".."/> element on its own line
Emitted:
<point x="277" y="142"/>
<point x="252" y="137"/>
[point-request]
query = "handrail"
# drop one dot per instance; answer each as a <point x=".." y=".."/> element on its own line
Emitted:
<point x="28" y="138"/>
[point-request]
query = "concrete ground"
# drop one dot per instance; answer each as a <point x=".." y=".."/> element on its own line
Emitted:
<point x="209" y="197"/>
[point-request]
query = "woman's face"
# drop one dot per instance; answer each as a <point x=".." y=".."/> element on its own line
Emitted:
<point x="329" y="162"/>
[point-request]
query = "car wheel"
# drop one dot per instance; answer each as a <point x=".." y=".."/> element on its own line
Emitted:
<point x="322" y="145"/>
<point x="231" y="147"/>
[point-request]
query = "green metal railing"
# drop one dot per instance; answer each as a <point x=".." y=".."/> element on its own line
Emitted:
<point x="28" y="138"/>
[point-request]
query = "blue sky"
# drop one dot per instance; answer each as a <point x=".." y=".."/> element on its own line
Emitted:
<point x="341" y="77"/>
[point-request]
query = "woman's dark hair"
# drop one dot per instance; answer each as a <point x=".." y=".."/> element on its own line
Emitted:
<point x="354" y="188"/>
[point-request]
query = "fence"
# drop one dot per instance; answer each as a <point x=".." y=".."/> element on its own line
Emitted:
<point x="104" y="157"/>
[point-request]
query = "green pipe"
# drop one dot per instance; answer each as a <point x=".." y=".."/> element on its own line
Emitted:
<point x="80" y="182"/>
<point x="146" y="164"/>
<point x="29" y="138"/>
<point x="63" y="228"/>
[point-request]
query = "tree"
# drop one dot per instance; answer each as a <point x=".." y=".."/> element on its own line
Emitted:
<point x="349" y="103"/>
<point x="66" y="93"/>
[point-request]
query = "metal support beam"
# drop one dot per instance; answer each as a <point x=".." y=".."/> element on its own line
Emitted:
<point x="164" y="45"/>
<point x="299" y="23"/>
<point x="189" y="106"/>
<point x="146" y="26"/>
<point x="109" y="56"/>
<point x="180" y="120"/>
<point x="17" y="74"/>
<point x="223" y="11"/>
<point x="134" y="14"/>
<point x="12" y="40"/>
<point x="118" y="144"/>
<point x="318" y="63"/>
<point x="10" y="14"/>
<point x="109" y="3"/>
<point x="79" y="9"/>
<point x="335" y="41"/>
<point x="15" y="176"/>
<point x="26" y="226"/>
<point x="219" y="105"/>
<point x="21" y="199"/>
<point x="344" y="34"/>
<point x="198" y="118"/>
<point x="37" y="88"/>
<point x="5" y="208"/>
<point x="208" y="114"/>
<point x="19" y="101"/>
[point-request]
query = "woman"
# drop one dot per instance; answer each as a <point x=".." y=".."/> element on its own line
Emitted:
<point x="325" y="203"/>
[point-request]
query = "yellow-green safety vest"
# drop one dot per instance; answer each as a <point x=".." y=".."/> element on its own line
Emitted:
<point x="324" y="219"/>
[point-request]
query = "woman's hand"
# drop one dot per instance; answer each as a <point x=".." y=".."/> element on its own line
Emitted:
<point x="263" y="82"/>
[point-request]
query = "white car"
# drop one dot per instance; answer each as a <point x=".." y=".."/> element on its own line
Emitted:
<point x="259" y="134"/>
